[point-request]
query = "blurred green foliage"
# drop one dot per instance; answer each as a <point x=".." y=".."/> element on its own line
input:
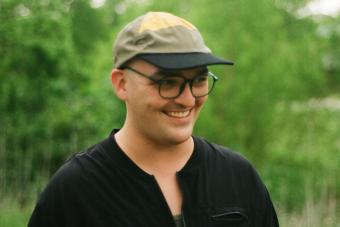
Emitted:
<point x="279" y="104"/>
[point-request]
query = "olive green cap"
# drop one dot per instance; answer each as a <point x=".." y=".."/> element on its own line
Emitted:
<point x="164" y="40"/>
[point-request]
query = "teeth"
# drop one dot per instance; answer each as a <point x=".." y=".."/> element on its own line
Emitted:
<point x="178" y="114"/>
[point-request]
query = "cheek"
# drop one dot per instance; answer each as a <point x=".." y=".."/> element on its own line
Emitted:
<point x="200" y="101"/>
<point x="135" y="92"/>
<point x="144" y="99"/>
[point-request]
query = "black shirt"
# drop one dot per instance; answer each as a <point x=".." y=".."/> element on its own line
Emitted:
<point x="102" y="187"/>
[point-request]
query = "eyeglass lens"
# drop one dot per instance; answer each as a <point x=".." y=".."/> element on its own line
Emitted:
<point x="173" y="86"/>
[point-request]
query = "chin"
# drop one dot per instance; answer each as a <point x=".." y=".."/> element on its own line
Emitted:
<point x="179" y="136"/>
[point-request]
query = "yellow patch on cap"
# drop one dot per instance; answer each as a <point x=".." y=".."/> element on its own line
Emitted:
<point x="159" y="20"/>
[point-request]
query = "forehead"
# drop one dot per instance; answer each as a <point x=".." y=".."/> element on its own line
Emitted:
<point x="148" y="68"/>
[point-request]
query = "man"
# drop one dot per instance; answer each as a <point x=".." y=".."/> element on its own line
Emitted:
<point x="153" y="172"/>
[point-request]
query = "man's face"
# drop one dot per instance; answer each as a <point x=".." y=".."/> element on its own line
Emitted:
<point x="159" y="120"/>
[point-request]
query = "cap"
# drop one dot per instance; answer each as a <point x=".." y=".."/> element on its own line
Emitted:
<point x="164" y="40"/>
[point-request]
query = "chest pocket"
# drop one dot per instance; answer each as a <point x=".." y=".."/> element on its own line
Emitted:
<point x="229" y="217"/>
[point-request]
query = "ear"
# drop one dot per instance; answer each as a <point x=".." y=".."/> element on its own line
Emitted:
<point x="119" y="83"/>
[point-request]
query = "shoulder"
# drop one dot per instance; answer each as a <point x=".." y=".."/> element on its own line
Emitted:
<point x="66" y="189"/>
<point x="213" y="152"/>
<point x="63" y="199"/>
<point x="222" y="162"/>
<point x="76" y="171"/>
<point x="231" y="172"/>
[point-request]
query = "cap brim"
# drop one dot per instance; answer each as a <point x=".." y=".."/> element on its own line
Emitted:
<point x="178" y="61"/>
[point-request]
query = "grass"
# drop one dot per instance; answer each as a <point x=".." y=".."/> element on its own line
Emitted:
<point x="12" y="214"/>
<point x="313" y="214"/>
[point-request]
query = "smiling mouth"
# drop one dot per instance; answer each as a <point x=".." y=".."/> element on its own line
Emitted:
<point x="178" y="114"/>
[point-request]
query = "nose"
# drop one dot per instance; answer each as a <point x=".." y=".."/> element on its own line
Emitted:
<point x="186" y="98"/>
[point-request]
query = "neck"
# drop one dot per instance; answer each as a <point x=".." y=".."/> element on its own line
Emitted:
<point x="152" y="157"/>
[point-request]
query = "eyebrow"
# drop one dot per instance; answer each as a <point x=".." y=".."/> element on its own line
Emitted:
<point x="177" y="72"/>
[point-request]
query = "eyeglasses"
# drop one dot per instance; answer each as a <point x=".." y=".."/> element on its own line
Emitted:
<point x="171" y="86"/>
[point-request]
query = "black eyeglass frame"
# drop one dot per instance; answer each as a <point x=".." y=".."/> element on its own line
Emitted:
<point x="182" y="86"/>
